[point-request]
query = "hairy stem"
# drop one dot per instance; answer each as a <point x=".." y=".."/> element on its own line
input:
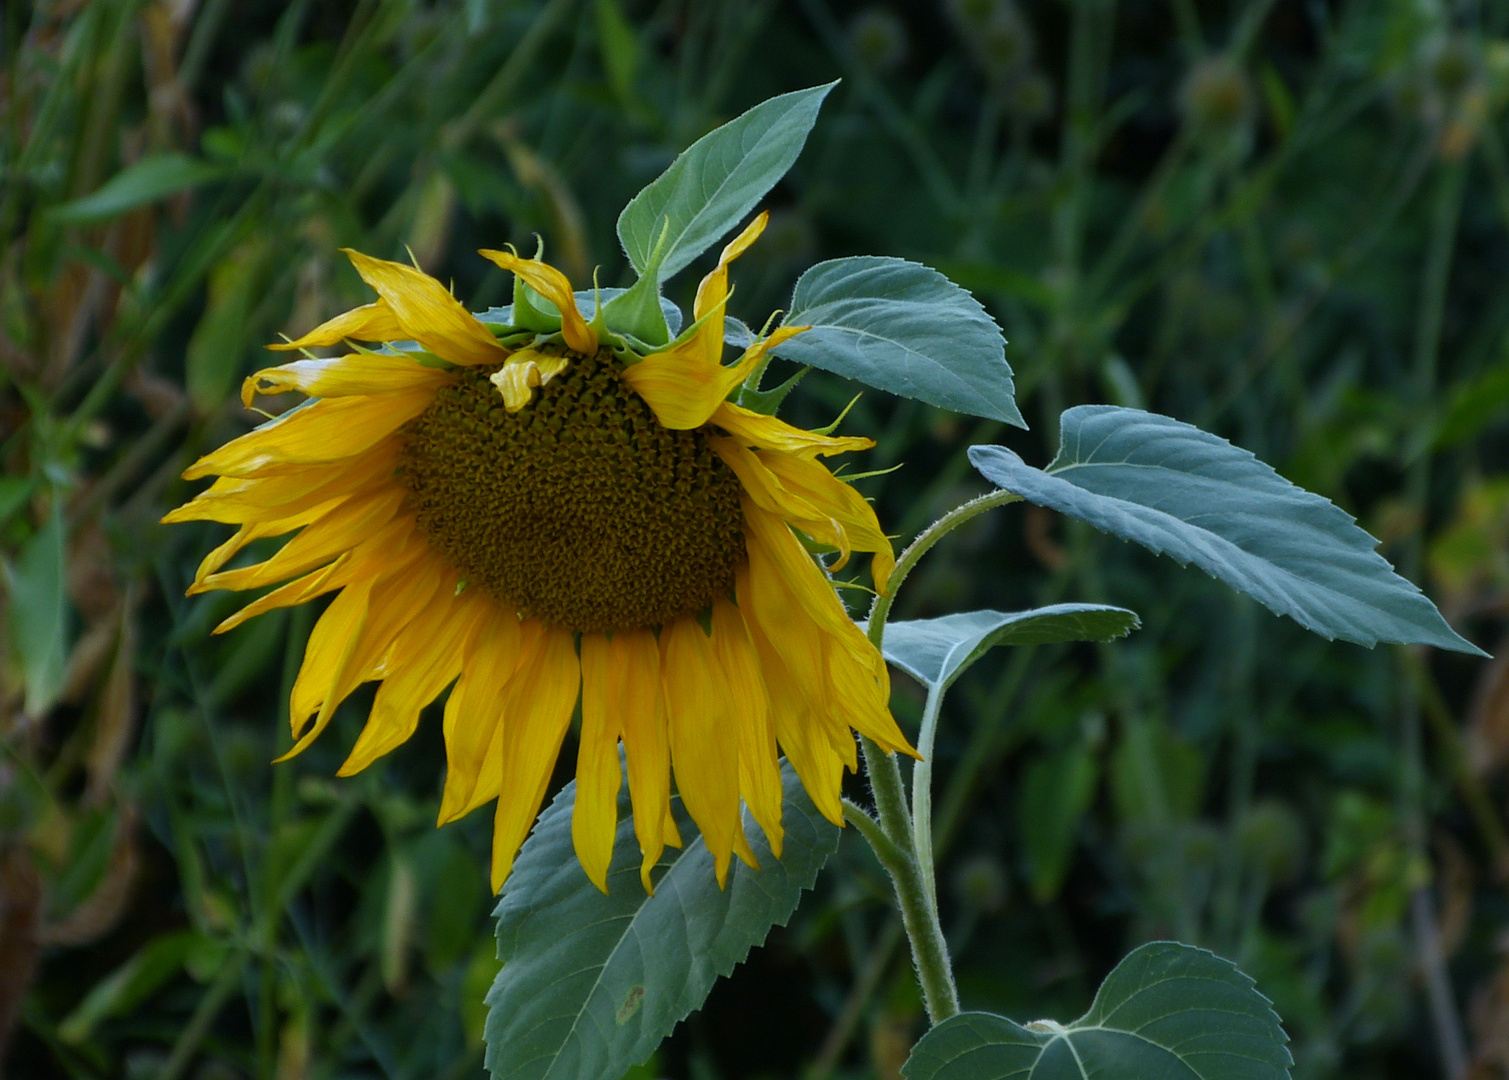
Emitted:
<point x="903" y="847"/>
<point x="918" y="915"/>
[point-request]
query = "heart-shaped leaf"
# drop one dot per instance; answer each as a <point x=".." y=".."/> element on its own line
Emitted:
<point x="716" y="181"/>
<point x="1167" y="1012"/>
<point x="905" y="328"/>
<point x="936" y="651"/>
<point x="591" y="983"/>
<point x="1191" y="495"/>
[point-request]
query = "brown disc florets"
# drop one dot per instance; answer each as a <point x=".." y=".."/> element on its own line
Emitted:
<point x="580" y="509"/>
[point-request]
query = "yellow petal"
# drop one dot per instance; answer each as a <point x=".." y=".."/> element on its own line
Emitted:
<point x="235" y="500"/>
<point x="712" y="291"/>
<point x="809" y="484"/>
<point x="516" y="380"/>
<point x="759" y="766"/>
<point x="685" y="384"/>
<point x="321" y="430"/>
<point x="431" y="650"/>
<point x="536" y="714"/>
<point x="374" y="322"/>
<point x="345" y="376"/>
<point x="553" y="286"/>
<point x="474" y="711"/>
<point x="330" y="645"/>
<point x="788" y="591"/>
<point x="339" y="528"/>
<point x="704" y="739"/>
<point x="797" y="726"/>
<point x="428" y="313"/>
<point x="768" y="433"/>
<point x="406" y="589"/>
<point x="768" y="492"/>
<point x="252" y="531"/>
<point x="594" y="817"/>
<point x="633" y="663"/>
<point x="366" y="562"/>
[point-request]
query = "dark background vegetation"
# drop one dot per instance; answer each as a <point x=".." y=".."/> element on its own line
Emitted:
<point x="1284" y="220"/>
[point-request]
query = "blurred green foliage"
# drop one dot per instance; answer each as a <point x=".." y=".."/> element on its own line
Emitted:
<point x="1282" y="220"/>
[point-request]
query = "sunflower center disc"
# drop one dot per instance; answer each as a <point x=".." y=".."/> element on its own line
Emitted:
<point x="580" y="509"/>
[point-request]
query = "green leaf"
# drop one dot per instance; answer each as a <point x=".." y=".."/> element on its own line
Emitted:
<point x="39" y="613"/>
<point x="1057" y="789"/>
<point x="120" y="991"/>
<point x="153" y="177"/>
<point x="936" y="651"/>
<point x="717" y="180"/>
<point x="905" y="328"/>
<point x="1168" y="1012"/>
<point x="1193" y="496"/>
<point x="591" y="983"/>
<point x="619" y="45"/>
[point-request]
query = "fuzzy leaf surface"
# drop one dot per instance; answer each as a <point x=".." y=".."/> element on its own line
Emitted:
<point x="935" y="652"/>
<point x="591" y="983"/>
<point x="904" y="328"/>
<point x="717" y="180"/>
<point x="1167" y="1012"/>
<point x="1193" y="496"/>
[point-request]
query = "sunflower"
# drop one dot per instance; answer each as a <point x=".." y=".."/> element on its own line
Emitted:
<point x="536" y="519"/>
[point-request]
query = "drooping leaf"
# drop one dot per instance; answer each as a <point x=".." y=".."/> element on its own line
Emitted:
<point x="717" y="180"/>
<point x="591" y="983"/>
<point x="937" y="651"/>
<point x="1193" y="496"/>
<point x="905" y="328"/>
<point x="153" y="177"/>
<point x="1167" y="1012"/>
<point x="39" y="613"/>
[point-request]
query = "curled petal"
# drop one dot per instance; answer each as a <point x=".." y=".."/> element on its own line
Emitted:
<point x="428" y="313"/>
<point x="374" y="322"/>
<point x="516" y="380"/>
<point x="684" y="386"/>
<point x="553" y="286"/>
<point x="345" y="376"/>
<point x="767" y="433"/>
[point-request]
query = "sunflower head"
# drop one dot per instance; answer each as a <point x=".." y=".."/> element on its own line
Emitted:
<point x="530" y="515"/>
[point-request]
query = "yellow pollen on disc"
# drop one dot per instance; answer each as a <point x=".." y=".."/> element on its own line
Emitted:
<point x="577" y="508"/>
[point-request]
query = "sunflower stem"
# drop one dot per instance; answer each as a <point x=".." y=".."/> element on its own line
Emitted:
<point x="922" y="792"/>
<point x="893" y="844"/>
<point x="919" y="547"/>
<point x="905" y="849"/>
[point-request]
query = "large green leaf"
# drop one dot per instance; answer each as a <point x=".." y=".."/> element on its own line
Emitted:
<point x="716" y="181"/>
<point x="591" y="983"/>
<point x="936" y="651"/>
<point x="904" y="328"/>
<point x="153" y="177"/>
<point x="1193" y="496"/>
<point x="1168" y="1012"/>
